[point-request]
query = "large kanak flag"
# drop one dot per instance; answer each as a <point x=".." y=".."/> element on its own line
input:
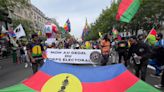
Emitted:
<point x="127" y="9"/>
<point x="19" y="31"/>
<point x="55" y="77"/>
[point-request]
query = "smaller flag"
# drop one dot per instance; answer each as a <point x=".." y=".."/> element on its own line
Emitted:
<point x="151" y="38"/>
<point x="127" y="9"/>
<point x="100" y="34"/>
<point x="67" y="26"/>
<point x="115" y="33"/>
<point x="19" y="31"/>
<point x="11" y="33"/>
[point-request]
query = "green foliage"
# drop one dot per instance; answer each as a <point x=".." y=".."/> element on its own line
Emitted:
<point x="150" y="14"/>
<point x="104" y="23"/>
<point x="7" y="4"/>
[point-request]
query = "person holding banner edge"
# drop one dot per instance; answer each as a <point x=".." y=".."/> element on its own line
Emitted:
<point x="105" y="49"/>
<point x="35" y="50"/>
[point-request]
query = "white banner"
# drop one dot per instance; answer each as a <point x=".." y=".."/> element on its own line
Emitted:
<point x="74" y="56"/>
<point x="19" y="31"/>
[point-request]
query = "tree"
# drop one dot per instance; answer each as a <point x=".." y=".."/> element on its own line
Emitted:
<point x="9" y="4"/>
<point x="150" y="14"/>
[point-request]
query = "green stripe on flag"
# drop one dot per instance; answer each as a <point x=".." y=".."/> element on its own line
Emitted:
<point x="151" y="39"/>
<point x="17" y="88"/>
<point x="141" y="86"/>
<point x="131" y="11"/>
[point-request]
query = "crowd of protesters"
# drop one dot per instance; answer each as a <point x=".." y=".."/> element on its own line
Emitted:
<point x="128" y="50"/>
<point x="139" y="52"/>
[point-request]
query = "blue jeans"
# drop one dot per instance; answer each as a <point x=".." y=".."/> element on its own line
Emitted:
<point x="156" y="65"/>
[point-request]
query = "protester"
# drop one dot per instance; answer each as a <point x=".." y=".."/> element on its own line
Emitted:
<point x="140" y="53"/>
<point x="153" y="62"/>
<point x="105" y="50"/>
<point x="114" y="53"/>
<point x="14" y="54"/>
<point x="24" y="55"/>
<point x="122" y="50"/>
<point x="35" y="50"/>
<point x="4" y="52"/>
<point x="159" y="57"/>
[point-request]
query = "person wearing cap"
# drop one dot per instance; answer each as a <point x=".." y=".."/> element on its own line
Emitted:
<point x="35" y="51"/>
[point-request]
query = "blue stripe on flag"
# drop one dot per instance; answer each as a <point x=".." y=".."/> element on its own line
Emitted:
<point x="84" y="73"/>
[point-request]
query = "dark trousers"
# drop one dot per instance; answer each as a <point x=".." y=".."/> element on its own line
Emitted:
<point x="162" y="79"/>
<point x="104" y="60"/>
<point x="141" y="70"/>
<point x="123" y="55"/>
<point x="4" y="54"/>
<point x="156" y="65"/>
<point x="37" y="65"/>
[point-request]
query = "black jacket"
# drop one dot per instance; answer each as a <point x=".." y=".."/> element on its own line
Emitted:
<point x="141" y="49"/>
<point x="122" y="46"/>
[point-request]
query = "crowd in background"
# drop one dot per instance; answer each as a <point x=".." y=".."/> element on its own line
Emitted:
<point x="127" y="50"/>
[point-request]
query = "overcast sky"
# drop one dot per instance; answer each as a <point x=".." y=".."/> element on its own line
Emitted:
<point x="76" y="10"/>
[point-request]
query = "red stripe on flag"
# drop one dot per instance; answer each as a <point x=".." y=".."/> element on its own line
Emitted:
<point x="153" y="32"/>
<point x="119" y="84"/>
<point x="124" y="5"/>
<point x="37" y="81"/>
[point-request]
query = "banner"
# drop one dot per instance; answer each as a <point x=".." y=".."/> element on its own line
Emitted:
<point x="19" y="31"/>
<point x="74" y="56"/>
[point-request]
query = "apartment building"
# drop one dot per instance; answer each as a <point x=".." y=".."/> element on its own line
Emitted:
<point x="31" y="13"/>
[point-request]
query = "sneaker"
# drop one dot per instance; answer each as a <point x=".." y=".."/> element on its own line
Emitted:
<point x="159" y="86"/>
<point x="26" y="65"/>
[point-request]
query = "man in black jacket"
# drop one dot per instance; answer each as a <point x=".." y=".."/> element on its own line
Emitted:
<point x="122" y="50"/>
<point x="140" y="52"/>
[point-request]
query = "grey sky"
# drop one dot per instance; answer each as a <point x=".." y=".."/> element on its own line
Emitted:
<point x="76" y="10"/>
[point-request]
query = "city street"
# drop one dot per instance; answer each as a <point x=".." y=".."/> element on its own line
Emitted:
<point x="11" y="74"/>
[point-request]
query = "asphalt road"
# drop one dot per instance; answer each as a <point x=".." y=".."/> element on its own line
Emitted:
<point x="11" y="74"/>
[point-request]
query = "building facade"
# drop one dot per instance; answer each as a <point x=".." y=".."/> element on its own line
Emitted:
<point x="30" y="13"/>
